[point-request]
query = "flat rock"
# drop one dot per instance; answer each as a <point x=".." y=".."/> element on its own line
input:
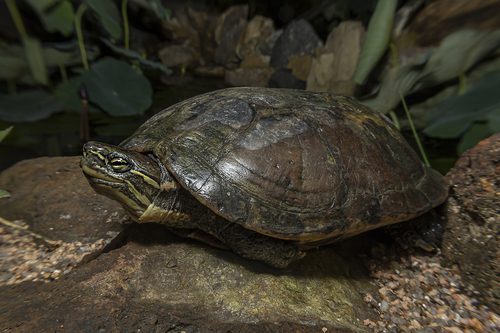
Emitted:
<point x="254" y="70"/>
<point x="180" y="55"/>
<point x="160" y="282"/>
<point x="298" y="39"/>
<point x="284" y="78"/>
<point x="191" y="32"/>
<point x="333" y="69"/>
<point x="300" y="66"/>
<point x="472" y="238"/>
<point x="253" y="77"/>
<point x="230" y="26"/>
<point x="54" y="198"/>
<point x="258" y="30"/>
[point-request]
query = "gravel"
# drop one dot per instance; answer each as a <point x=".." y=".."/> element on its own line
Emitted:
<point x="416" y="294"/>
<point x="21" y="259"/>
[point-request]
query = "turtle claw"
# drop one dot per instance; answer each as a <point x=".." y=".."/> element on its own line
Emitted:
<point x="299" y="255"/>
<point x="413" y="239"/>
<point x="424" y="245"/>
<point x="424" y="232"/>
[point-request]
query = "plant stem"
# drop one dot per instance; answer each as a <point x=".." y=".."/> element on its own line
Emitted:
<point x="125" y="23"/>
<point x="462" y="83"/>
<point x="62" y="70"/>
<point x="426" y="161"/>
<point x="78" y="26"/>
<point x="395" y="120"/>
<point x="394" y="51"/>
<point x="16" y="16"/>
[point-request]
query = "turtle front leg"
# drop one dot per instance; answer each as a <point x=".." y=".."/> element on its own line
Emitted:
<point x="250" y="244"/>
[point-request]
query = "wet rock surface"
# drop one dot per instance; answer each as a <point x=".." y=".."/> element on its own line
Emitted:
<point x="54" y="198"/>
<point x="158" y="281"/>
<point x="472" y="239"/>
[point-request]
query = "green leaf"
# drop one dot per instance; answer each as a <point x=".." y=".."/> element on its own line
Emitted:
<point x="457" y="53"/>
<point x="477" y="133"/>
<point x="34" y="55"/>
<point x="56" y="15"/>
<point x="5" y="132"/>
<point x="155" y="6"/>
<point x="493" y="119"/>
<point x="60" y="123"/>
<point x="42" y="5"/>
<point x="4" y="194"/>
<point x="109" y="14"/>
<point x="68" y="93"/>
<point x="68" y="53"/>
<point x="61" y="18"/>
<point x="377" y="38"/>
<point x="117" y="88"/>
<point x="137" y="56"/>
<point x="400" y="79"/>
<point x="13" y="64"/>
<point x="31" y="105"/>
<point x="456" y="114"/>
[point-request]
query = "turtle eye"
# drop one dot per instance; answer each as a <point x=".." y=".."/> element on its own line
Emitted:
<point x="119" y="164"/>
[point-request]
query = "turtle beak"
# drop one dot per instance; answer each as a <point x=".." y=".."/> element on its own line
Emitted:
<point x="87" y="147"/>
<point x="84" y="156"/>
<point x="94" y="161"/>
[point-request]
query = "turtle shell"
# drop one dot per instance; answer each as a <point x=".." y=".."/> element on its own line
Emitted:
<point x="291" y="164"/>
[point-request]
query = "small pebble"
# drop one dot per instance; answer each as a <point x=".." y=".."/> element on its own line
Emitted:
<point x="417" y="294"/>
<point x="384" y="306"/>
<point x="21" y="259"/>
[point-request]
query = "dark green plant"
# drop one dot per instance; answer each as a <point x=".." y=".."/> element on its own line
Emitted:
<point x="414" y="131"/>
<point x="471" y="116"/>
<point x="114" y="86"/>
<point x="32" y="46"/>
<point x="3" y="134"/>
<point x="377" y="38"/>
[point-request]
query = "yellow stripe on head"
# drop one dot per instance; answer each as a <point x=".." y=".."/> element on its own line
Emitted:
<point x="147" y="179"/>
<point x="141" y="197"/>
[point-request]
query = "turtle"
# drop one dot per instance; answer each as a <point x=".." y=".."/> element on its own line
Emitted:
<point x="268" y="173"/>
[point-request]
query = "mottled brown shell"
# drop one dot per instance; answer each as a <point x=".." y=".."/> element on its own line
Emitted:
<point x="291" y="164"/>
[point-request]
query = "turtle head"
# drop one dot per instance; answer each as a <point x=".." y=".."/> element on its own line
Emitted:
<point x="129" y="177"/>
